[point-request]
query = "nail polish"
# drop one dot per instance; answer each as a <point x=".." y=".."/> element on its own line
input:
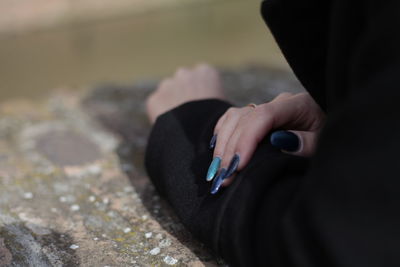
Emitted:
<point x="285" y="140"/>
<point x="213" y="141"/>
<point x="218" y="181"/>
<point x="212" y="170"/>
<point x="233" y="165"/>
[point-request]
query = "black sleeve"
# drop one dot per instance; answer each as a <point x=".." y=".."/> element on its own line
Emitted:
<point x="340" y="209"/>
<point x="238" y="222"/>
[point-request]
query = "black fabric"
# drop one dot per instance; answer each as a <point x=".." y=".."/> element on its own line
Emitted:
<point x="342" y="206"/>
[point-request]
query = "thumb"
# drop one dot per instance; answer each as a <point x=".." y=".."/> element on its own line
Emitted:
<point x="299" y="143"/>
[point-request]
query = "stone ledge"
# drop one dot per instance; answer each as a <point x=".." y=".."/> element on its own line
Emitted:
<point x="73" y="190"/>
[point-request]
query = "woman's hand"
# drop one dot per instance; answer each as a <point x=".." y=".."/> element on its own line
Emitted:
<point x="201" y="82"/>
<point x="239" y="130"/>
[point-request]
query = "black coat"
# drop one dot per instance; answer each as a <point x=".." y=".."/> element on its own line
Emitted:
<point x="342" y="206"/>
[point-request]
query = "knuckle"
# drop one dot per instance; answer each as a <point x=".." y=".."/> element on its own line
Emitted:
<point x="230" y="112"/>
<point x="164" y="83"/>
<point x="207" y="70"/>
<point x="181" y="71"/>
<point x="204" y="66"/>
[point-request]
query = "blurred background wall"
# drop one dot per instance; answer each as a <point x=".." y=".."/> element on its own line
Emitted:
<point x="48" y="44"/>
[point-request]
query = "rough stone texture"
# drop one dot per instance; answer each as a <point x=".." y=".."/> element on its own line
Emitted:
<point x="5" y="254"/>
<point x="73" y="191"/>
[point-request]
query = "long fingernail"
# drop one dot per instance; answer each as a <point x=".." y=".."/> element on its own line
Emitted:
<point x="285" y="140"/>
<point x="212" y="170"/>
<point x="218" y="181"/>
<point x="213" y="141"/>
<point x="233" y="165"/>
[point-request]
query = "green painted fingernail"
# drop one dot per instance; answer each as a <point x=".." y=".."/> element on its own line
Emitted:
<point x="212" y="170"/>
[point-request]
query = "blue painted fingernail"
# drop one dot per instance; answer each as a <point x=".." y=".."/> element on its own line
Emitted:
<point x="218" y="181"/>
<point x="213" y="141"/>
<point x="285" y="140"/>
<point x="212" y="170"/>
<point x="233" y="165"/>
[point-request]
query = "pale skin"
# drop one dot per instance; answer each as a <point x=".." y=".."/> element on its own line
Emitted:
<point x="240" y="129"/>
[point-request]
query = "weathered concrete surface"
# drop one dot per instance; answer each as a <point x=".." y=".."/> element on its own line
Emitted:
<point x="73" y="191"/>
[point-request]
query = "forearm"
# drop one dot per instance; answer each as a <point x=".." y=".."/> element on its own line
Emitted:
<point x="177" y="160"/>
